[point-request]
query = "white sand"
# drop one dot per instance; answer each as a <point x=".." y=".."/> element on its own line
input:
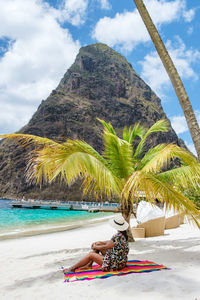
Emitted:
<point x="29" y="266"/>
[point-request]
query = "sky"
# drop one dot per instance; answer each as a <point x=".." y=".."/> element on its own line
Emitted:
<point x="39" y="41"/>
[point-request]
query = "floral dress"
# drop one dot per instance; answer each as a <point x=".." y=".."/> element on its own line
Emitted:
<point x="116" y="257"/>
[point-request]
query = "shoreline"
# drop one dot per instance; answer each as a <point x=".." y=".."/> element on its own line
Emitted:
<point x="53" y="229"/>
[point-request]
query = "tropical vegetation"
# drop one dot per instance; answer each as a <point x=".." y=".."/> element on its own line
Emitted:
<point x="194" y="195"/>
<point x="123" y="171"/>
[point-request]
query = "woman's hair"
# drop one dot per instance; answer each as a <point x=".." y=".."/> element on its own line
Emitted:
<point x="125" y="234"/>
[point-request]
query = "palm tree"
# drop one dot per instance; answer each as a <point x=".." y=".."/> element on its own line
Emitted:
<point x="123" y="170"/>
<point x="173" y="75"/>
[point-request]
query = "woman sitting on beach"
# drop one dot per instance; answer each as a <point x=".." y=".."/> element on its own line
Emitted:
<point x="112" y="255"/>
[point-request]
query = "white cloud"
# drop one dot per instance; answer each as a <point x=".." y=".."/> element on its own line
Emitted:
<point x="13" y="118"/>
<point x="121" y="30"/>
<point x="39" y="55"/>
<point x="179" y="124"/>
<point x="74" y="11"/>
<point x="165" y="11"/>
<point x="190" y="30"/>
<point x="127" y="29"/>
<point x="154" y="73"/>
<point x="189" y="15"/>
<point x="105" y="4"/>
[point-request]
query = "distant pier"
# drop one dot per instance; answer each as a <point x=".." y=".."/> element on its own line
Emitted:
<point x="70" y="205"/>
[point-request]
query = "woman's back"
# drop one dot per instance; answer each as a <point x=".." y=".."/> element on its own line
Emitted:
<point x="116" y="257"/>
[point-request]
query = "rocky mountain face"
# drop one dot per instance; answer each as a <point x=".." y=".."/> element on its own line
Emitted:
<point x="100" y="83"/>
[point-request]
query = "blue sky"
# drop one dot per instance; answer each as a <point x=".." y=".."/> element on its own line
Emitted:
<point x="39" y="41"/>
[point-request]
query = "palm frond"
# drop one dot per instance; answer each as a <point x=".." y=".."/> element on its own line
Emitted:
<point x="81" y="146"/>
<point x="153" y="152"/>
<point x="159" y="126"/>
<point x="130" y="134"/>
<point x="154" y="188"/>
<point x="107" y="126"/>
<point x="72" y="161"/>
<point x="126" y="134"/>
<point x="119" y="155"/>
<point x="165" y="155"/>
<point x="184" y="177"/>
<point x="28" y="139"/>
<point x="99" y="180"/>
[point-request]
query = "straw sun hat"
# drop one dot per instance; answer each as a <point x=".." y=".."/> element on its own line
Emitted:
<point x="119" y="223"/>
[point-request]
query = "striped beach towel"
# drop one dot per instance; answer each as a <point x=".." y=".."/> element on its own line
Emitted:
<point x="133" y="266"/>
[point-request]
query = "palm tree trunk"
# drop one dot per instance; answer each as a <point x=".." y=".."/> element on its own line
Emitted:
<point x="127" y="209"/>
<point x="173" y="75"/>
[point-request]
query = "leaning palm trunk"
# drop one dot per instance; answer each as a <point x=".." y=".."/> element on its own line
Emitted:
<point x="173" y="75"/>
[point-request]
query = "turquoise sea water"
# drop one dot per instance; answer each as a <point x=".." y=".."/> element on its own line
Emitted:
<point x="19" y="220"/>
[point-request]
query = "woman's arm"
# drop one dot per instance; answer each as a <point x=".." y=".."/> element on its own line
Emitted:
<point x="102" y="245"/>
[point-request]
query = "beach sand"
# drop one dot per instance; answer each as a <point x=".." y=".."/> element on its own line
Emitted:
<point x="29" y="266"/>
